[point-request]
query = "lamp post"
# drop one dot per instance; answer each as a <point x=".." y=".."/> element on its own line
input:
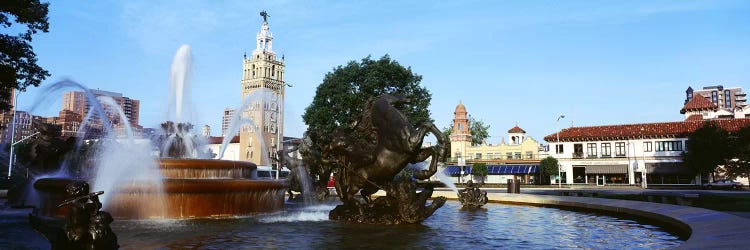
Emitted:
<point x="644" y="183"/>
<point x="279" y="121"/>
<point x="559" y="173"/>
<point x="12" y="135"/>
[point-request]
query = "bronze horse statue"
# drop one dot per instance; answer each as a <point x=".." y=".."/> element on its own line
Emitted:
<point x="397" y="143"/>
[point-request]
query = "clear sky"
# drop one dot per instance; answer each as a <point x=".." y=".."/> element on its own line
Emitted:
<point x="509" y="62"/>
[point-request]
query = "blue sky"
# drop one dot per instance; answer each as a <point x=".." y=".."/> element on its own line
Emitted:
<point x="509" y="62"/>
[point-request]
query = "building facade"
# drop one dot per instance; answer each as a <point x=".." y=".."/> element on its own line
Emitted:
<point x="262" y="82"/>
<point x="76" y="102"/>
<point x="724" y="98"/>
<point x="516" y="159"/>
<point x="226" y="120"/>
<point x="628" y="154"/>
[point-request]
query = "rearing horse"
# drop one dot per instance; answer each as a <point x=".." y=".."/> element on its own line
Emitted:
<point x="398" y="143"/>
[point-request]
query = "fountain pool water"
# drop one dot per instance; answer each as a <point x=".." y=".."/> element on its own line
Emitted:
<point x="494" y="226"/>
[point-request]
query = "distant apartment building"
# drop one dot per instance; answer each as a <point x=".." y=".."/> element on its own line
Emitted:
<point x="6" y="117"/>
<point x="715" y="102"/>
<point x="226" y="120"/>
<point x="76" y="102"/>
<point x="724" y="98"/>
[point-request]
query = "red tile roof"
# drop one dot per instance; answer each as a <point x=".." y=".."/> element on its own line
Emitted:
<point x="648" y="130"/>
<point x="516" y="129"/>
<point x="220" y="139"/>
<point x="698" y="103"/>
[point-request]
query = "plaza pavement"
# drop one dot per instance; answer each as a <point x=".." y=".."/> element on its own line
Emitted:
<point x="16" y="231"/>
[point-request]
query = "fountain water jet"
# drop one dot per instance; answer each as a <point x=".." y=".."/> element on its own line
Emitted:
<point x="190" y="187"/>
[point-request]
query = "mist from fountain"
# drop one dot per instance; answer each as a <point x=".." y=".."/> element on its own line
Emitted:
<point x="446" y="180"/>
<point x="254" y="100"/>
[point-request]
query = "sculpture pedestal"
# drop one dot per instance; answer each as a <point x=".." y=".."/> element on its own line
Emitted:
<point x="472" y="197"/>
<point x="401" y="205"/>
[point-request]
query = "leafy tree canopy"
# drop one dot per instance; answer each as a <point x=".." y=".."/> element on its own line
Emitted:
<point x="479" y="131"/>
<point x="479" y="169"/>
<point x="18" y="63"/>
<point x="342" y="96"/>
<point x="707" y="147"/>
<point x="738" y="163"/>
<point x="548" y="166"/>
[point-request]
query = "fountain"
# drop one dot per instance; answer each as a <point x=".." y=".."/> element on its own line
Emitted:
<point x="177" y="185"/>
<point x="200" y="188"/>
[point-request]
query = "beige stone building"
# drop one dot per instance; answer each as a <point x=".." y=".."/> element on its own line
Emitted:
<point x="262" y="82"/>
<point x="519" y="145"/>
<point x="516" y="159"/>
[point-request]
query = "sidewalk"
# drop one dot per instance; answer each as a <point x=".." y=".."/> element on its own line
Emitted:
<point x="15" y="230"/>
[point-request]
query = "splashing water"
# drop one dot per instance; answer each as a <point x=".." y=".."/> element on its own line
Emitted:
<point x="439" y="174"/>
<point x="308" y="213"/>
<point x="252" y="100"/>
<point x="179" y="83"/>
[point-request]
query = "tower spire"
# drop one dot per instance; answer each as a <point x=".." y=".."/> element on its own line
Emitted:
<point x="264" y="37"/>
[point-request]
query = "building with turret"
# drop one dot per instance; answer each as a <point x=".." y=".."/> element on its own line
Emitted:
<point x="263" y="82"/>
<point x="518" y="158"/>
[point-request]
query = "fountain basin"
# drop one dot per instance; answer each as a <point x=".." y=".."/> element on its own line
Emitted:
<point x="191" y="189"/>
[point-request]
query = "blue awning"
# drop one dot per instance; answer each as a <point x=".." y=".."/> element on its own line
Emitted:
<point x="456" y="170"/>
<point x="513" y="169"/>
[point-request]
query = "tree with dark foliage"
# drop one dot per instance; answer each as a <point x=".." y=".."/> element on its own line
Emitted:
<point x="18" y="62"/>
<point x="707" y="148"/>
<point x="342" y="97"/>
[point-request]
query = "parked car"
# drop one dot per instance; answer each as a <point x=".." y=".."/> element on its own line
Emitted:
<point x="723" y="184"/>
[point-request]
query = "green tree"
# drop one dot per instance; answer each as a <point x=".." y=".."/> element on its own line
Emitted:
<point x="344" y="93"/>
<point x="18" y="63"/>
<point x="738" y="162"/>
<point x="707" y="148"/>
<point x="479" y="131"/>
<point x="479" y="169"/>
<point x="548" y="167"/>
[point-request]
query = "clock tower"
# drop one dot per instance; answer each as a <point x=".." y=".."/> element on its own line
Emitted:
<point x="263" y="82"/>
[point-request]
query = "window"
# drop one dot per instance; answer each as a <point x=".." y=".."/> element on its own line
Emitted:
<point x="591" y="150"/>
<point x="714" y="97"/>
<point x="517" y="155"/>
<point x="578" y="150"/>
<point x="606" y="150"/>
<point x="529" y="155"/>
<point x="478" y="156"/>
<point x="727" y="99"/>
<point x="647" y="146"/>
<point x="619" y="149"/>
<point x="509" y="155"/>
<point x="559" y="148"/>
<point x="669" y="146"/>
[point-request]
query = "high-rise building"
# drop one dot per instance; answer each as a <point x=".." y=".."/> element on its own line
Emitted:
<point x="76" y="102"/>
<point x="724" y="98"/>
<point x="226" y="120"/>
<point x="262" y="73"/>
<point x="6" y="118"/>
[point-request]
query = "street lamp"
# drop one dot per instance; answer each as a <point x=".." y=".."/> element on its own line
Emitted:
<point x="644" y="183"/>
<point x="279" y="121"/>
<point x="559" y="173"/>
<point x="12" y="134"/>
